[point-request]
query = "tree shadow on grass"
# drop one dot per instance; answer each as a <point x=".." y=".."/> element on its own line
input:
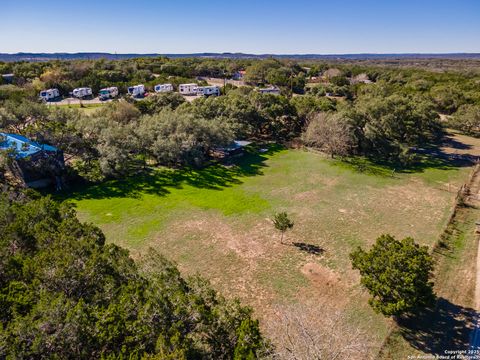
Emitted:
<point x="309" y="248"/>
<point x="445" y="327"/>
<point x="449" y="141"/>
<point x="159" y="181"/>
<point x="425" y="159"/>
<point x="432" y="156"/>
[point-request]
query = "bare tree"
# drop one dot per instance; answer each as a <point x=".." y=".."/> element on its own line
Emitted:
<point x="318" y="331"/>
<point x="329" y="133"/>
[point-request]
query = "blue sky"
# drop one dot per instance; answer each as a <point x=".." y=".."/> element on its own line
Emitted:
<point x="261" y="26"/>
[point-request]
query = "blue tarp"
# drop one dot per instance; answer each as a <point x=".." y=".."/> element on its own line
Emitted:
<point x="23" y="147"/>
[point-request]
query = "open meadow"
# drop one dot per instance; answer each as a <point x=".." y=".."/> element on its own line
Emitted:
<point x="86" y="107"/>
<point x="216" y="222"/>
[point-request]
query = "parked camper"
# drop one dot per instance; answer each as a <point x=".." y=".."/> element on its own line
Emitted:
<point x="49" y="94"/>
<point x="108" y="93"/>
<point x="82" y="92"/>
<point x="137" y="90"/>
<point x="188" y="89"/>
<point x="270" y="90"/>
<point x="8" y="78"/>
<point x="208" y="91"/>
<point x="163" y="88"/>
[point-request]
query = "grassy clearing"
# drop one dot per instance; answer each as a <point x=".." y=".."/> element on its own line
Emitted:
<point x="87" y="108"/>
<point x="216" y="222"/>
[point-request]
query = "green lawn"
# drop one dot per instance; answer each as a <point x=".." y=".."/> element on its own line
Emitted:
<point x="87" y="108"/>
<point x="216" y="222"/>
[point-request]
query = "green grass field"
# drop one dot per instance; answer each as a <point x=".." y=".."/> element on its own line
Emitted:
<point x="87" y="108"/>
<point x="215" y="222"/>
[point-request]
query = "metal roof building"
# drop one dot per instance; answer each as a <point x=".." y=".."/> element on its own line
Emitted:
<point x="22" y="146"/>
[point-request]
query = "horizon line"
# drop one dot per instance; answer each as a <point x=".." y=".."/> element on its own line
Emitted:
<point x="239" y="53"/>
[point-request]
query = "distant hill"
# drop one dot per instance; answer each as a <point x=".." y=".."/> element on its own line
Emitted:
<point x="99" y="55"/>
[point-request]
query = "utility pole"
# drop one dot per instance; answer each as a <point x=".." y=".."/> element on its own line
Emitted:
<point x="224" y="81"/>
<point x="291" y="81"/>
<point x="290" y="65"/>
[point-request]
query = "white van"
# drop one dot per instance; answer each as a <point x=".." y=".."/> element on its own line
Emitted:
<point x="49" y="94"/>
<point x="188" y="89"/>
<point x="137" y="90"/>
<point x="163" y="88"/>
<point x="81" y="93"/>
<point x="208" y="91"/>
<point x="108" y="93"/>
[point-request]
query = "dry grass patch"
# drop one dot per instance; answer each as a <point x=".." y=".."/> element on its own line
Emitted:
<point x="225" y="234"/>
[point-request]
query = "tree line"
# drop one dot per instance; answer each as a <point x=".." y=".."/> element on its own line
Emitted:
<point x="385" y="120"/>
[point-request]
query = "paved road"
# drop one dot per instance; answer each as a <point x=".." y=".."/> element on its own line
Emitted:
<point x="475" y="336"/>
<point x="75" y="101"/>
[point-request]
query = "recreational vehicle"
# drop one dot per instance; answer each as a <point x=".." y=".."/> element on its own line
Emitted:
<point x="208" y="91"/>
<point x="49" y="94"/>
<point x="163" y="88"/>
<point x="136" y="91"/>
<point x="108" y="93"/>
<point x="82" y="92"/>
<point x="188" y="89"/>
<point x="270" y="90"/>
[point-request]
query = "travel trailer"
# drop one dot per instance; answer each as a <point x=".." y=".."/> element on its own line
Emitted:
<point x="208" y="91"/>
<point x="270" y="90"/>
<point x="49" y="94"/>
<point x="108" y="93"/>
<point x="188" y="89"/>
<point x="137" y="90"/>
<point x="82" y="92"/>
<point x="163" y="88"/>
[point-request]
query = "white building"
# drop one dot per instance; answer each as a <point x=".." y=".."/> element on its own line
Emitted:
<point x="137" y="90"/>
<point x="108" y="93"/>
<point x="208" y="91"/>
<point x="49" y="94"/>
<point x="188" y="89"/>
<point x="163" y="88"/>
<point x="82" y="92"/>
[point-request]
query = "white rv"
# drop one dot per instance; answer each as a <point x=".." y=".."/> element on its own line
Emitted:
<point x="163" y="88"/>
<point x="136" y="91"/>
<point x="208" y="91"/>
<point x="49" y="94"/>
<point x="108" y="93"/>
<point x="188" y="89"/>
<point x="82" y="92"/>
<point x="270" y="90"/>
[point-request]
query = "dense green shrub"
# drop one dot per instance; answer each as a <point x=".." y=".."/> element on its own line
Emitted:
<point x="65" y="293"/>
